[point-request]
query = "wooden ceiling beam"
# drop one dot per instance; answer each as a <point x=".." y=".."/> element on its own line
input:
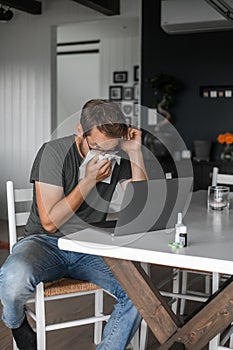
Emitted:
<point x="107" y="7"/>
<point x="30" y="6"/>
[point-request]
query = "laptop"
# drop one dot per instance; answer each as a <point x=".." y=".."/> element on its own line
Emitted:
<point x="150" y="206"/>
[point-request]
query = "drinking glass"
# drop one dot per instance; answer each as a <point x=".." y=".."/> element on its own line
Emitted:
<point x="218" y="197"/>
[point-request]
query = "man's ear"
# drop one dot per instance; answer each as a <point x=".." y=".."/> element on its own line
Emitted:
<point x="79" y="130"/>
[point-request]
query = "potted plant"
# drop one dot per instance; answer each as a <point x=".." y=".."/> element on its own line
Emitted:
<point x="164" y="87"/>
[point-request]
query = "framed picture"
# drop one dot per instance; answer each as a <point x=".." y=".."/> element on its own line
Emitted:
<point x="136" y="92"/>
<point x="135" y="122"/>
<point x="127" y="109"/>
<point x="136" y="73"/>
<point x="216" y="91"/>
<point x="128" y="93"/>
<point x="120" y="77"/>
<point x="115" y="93"/>
<point x="128" y="121"/>
<point x="135" y="109"/>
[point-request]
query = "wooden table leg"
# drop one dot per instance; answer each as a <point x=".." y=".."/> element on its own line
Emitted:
<point x="215" y="315"/>
<point x="159" y="317"/>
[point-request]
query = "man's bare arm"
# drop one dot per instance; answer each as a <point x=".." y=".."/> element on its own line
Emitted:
<point x="55" y="209"/>
<point x="133" y="147"/>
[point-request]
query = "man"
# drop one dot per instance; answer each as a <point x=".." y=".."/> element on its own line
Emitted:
<point x="64" y="202"/>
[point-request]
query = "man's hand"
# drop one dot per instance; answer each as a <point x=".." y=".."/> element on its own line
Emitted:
<point x="98" y="170"/>
<point x="133" y="141"/>
<point x="54" y="209"/>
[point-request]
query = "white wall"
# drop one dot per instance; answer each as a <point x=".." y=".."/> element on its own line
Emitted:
<point x="77" y="82"/>
<point x="25" y="84"/>
<point x="118" y="51"/>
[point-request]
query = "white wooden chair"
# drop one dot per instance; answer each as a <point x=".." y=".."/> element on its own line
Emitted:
<point x="64" y="288"/>
<point x="223" y="179"/>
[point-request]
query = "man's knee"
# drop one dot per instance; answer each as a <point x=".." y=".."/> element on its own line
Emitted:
<point x="15" y="280"/>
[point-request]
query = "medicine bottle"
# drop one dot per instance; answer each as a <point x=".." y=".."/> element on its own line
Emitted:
<point x="183" y="235"/>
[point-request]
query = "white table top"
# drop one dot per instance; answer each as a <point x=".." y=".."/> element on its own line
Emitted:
<point x="210" y="241"/>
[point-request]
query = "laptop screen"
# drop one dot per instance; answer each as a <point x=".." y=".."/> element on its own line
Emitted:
<point x="153" y="205"/>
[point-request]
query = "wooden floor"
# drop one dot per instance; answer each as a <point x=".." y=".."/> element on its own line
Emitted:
<point x="79" y="337"/>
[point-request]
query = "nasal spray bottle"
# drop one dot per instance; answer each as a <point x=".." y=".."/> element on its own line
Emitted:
<point x="180" y="232"/>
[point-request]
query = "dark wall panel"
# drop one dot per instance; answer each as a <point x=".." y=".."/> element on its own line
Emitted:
<point x="197" y="60"/>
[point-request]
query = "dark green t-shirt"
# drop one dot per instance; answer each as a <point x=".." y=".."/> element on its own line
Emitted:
<point x="57" y="163"/>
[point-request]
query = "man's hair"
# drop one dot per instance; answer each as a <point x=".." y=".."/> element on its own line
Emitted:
<point x="105" y="116"/>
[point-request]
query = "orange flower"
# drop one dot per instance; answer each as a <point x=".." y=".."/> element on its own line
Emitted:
<point x="229" y="139"/>
<point x="225" y="138"/>
<point x="221" y="138"/>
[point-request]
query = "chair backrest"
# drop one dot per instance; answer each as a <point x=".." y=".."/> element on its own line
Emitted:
<point x="16" y="218"/>
<point x="224" y="179"/>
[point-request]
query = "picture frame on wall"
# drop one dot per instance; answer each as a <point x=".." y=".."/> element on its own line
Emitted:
<point x="136" y="73"/>
<point x="128" y="121"/>
<point x="120" y="77"/>
<point x="216" y="91"/>
<point x="127" y="109"/>
<point x="136" y="92"/>
<point x="115" y="92"/>
<point x="135" y="122"/>
<point x="128" y="93"/>
<point x="135" y="109"/>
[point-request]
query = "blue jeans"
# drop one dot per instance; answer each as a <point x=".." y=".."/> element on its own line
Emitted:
<point x="37" y="258"/>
